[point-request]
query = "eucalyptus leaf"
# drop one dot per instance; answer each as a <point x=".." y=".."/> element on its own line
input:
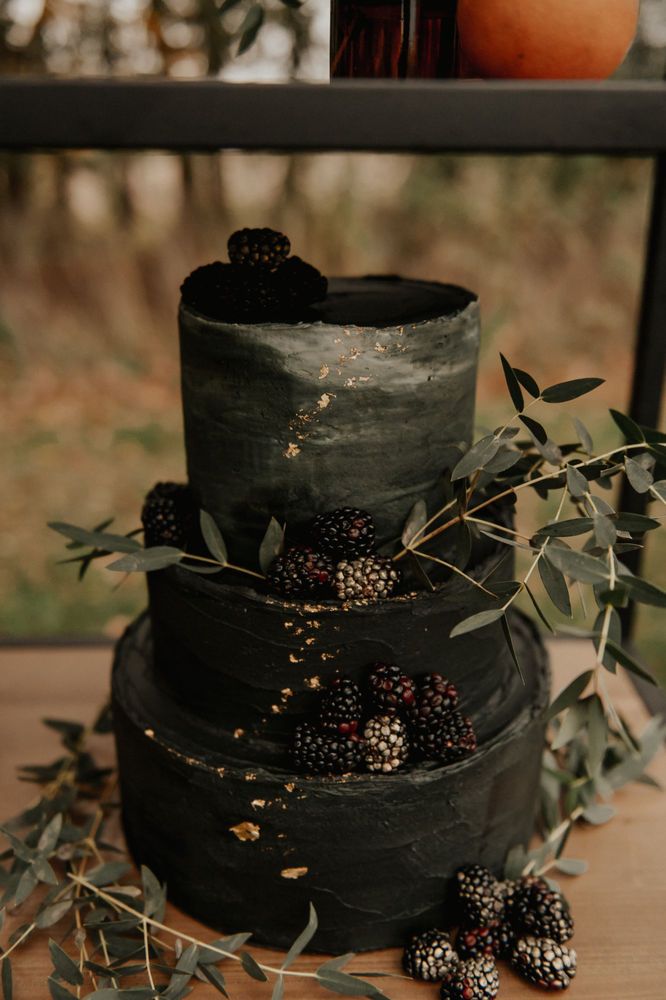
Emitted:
<point x="566" y="529"/>
<point x="337" y="963"/>
<point x="527" y="382"/>
<point x="272" y="544"/>
<point x="215" y="978"/>
<point x="604" y="531"/>
<point x="506" y="628"/>
<point x="344" y="984"/>
<point x="630" y="429"/>
<point x="645" y="592"/>
<point x="154" y="894"/>
<point x="584" y="435"/>
<point x="249" y="29"/>
<point x="148" y="560"/>
<point x="53" y="913"/>
<point x="577" y="484"/>
<point x="562" y="392"/>
<point x="213" y="538"/>
<point x="59" y="992"/>
<point x="572" y="723"/>
<point x="658" y="490"/>
<point x="416" y="519"/>
<point x="535" y="428"/>
<point x="571" y="866"/>
<point x="108" y="873"/>
<point x="26" y="886"/>
<point x="251" y="966"/>
<point x="515" y="862"/>
<point x="598" y="813"/>
<point x="578" y="565"/>
<point x="555" y="586"/>
<point x="597" y="736"/>
<point x="538" y="610"/>
<point x="636" y="524"/>
<point x="628" y="661"/>
<point x="228" y="5"/>
<point x="229" y="944"/>
<point x="51" y="832"/>
<point x="513" y="385"/>
<point x="504" y="460"/>
<point x="614" y="633"/>
<point x="278" y="986"/>
<point x="65" y="967"/>
<point x="98" y="539"/>
<point x="640" y="478"/>
<point x="303" y="939"/>
<point x="570" y="695"/>
<point x="476" y="457"/>
<point x="474" y="622"/>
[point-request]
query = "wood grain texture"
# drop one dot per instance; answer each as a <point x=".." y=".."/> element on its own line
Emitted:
<point x="619" y="906"/>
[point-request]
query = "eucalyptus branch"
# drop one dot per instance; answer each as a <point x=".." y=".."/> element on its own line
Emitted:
<point x="456" y="569"/>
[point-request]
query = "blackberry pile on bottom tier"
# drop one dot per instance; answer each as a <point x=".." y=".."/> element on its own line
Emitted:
<point x="496" y="918"/>
<point x="261" y="282"/>
<point x="387" y="725"/>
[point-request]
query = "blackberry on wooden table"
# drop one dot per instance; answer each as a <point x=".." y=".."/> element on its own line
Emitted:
<point x="316" y="752"/>
<point x="258" y="248"/>
<point x="474" y="979"/>
<point x="544" y="962"/>
<point x="344" y="533"/>
<point x="472" y="942"/>
<point x="341" y="707"/>
<point x="538" y="910"/>
<point x="386" y="744"/>
<point x="167" y="515"/>
<point x="429" y="956"/>
<point x="300" y="570"/>
<point x="480" y="895"/>
<point x="370" y="577"/>
<point x="391" y="690"/>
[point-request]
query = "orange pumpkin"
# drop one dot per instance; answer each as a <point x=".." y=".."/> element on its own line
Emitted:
<point x="546" y="39"/>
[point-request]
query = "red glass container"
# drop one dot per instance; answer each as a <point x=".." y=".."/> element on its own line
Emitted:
<point x="393" y="39"/>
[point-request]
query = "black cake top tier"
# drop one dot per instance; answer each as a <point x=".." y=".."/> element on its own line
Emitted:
<point x="358" y="406"/>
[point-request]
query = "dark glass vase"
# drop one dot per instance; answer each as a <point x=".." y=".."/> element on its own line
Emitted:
<point x="393" y="38"/>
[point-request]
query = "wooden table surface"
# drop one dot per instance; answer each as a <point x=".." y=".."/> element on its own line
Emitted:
<point x="619" y="905"/>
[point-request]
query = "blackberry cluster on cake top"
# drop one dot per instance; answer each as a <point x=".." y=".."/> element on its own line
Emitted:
<point x="376" y="729"/>
<point x="260" y="283"/>
<point x="524" y="921"/>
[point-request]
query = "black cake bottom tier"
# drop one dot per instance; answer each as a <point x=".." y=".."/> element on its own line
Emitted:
<point x="246" y="847"/>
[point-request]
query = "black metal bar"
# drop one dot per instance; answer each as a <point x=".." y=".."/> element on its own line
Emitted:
<point x="467" y="116"/>
<point x="650" y="351"/>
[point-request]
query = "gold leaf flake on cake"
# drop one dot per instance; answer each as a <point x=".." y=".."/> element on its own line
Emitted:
<point x="313" y="623"/>
<point x="293" y="872"/>
<point x="290" y="786"/>
<point x="258" y="803"/>
<point x="327" y="656"/>
<point x="313" y="682"/>
<point x="286" y="693"/>
<point x="323" y="371"/>
<point x="246" y="831"/>
<point x="310" y="642"/>
<point x="324" y="401"/>
<point x="277" y="709"/>
<point x="295" y="659"/>
<point x="292" y="450"/>
<point x="150" y="733"/>
<point x="238" y="733"/>
<point x="250" y="776"/>
<point x="221" y="771"/>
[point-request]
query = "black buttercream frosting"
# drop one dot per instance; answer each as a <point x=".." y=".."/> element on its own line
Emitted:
<point x="359" y="406"/>
<point x="245" y="846"/>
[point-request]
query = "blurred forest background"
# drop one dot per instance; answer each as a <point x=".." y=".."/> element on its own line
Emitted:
<point x="93" y="248"/>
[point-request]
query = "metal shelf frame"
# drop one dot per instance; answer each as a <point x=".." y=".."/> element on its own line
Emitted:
<point x="504" y="118"/>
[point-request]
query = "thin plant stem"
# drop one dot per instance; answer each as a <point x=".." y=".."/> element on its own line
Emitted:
<point x="456" y="569"/>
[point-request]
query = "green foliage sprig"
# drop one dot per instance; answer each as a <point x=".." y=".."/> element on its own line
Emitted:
<point x="104" y="926"/>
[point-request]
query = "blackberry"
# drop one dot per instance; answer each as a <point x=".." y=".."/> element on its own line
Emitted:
<point x="506" y="939"/>
<point x="341" y="707"/>
<point x="386" y="744"/>
<point x="167" y="515"/>
<point x="344" y="533"/>
<point x="435" y="698"/>
<point x="370" y="577"/>
<point x="538" y="910"/>
<point x="543" y="962"/>
<point x="258" y="248"/>
<point x="211" y="290"/>
<point x="429" y="956"/>
<point x="480" y="895"/>
<point x="473" y="942"/>
<point x="475" y="979"/>
<point x="447" y="740"/>
<point x="300" y="570"/>
<point x="391" y="690"/>
<point x="301" y="284"/>
<point x="324" y="753"/>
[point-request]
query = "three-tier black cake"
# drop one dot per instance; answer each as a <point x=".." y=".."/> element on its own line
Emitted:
<point x="358" y="404"/>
